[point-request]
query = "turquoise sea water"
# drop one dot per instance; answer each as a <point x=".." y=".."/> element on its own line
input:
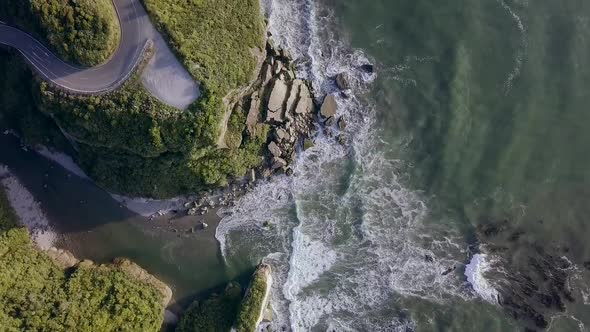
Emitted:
<point x="459" y="203"/>
<point x="476" y="116"/>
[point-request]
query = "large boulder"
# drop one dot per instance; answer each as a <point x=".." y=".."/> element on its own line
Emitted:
<point x="274" y="149"/>
<point x="305" y="104"/>
<point x="278" y="163"/>
<point x="62" y="258"/>
<point x="293" y="94"/>
<point x="368" y="68"/>
<point x="328" y="107"/>
<point x="276" y="102"/>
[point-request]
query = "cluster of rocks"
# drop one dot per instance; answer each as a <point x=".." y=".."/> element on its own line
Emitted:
<point x="221" y="198"/>
<point x="283" y="102"/>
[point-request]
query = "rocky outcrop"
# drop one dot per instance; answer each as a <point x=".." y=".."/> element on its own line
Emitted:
<point x="62" y="258"/>
<point x="284" y="103"/>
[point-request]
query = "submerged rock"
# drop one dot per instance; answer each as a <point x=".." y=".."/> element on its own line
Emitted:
<point x="368" y="68"/>
<point x="533" y="285"/>
<point x="342" y="81"/>
<point x="341" y="123"/>
<point x="330" y="121"/>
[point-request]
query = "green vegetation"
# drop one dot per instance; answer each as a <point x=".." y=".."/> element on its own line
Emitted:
<point x="128" y="141"/>
<point x="7" y="216"/>
<point x="216" y="314"/>
<point x="252" y="302"/>
<point x="84" y="32"/>
<point x="214" y="38"/>
<point x="37" y="295"/>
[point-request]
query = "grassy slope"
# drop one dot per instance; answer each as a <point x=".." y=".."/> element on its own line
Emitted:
<point x="213" y="38"/>
<point x="36" y="295"/>
<point x="132" y="143"/>
<point x="84" y="32"/>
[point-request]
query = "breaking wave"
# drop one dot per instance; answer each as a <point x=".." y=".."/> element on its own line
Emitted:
<point x="345" y="237"/>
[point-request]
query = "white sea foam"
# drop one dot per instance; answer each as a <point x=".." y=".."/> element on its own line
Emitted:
<point x="352" y="234"/>
<point x="28" y="210"/>
<point x="475" y="273"/>
<point x="521" y="52"/>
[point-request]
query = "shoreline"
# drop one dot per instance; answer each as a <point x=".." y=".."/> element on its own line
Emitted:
<point x="29" y="212"/>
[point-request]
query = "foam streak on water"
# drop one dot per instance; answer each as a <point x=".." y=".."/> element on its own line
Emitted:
<point x="345" y="237"/>
<point x="475" y="273"/>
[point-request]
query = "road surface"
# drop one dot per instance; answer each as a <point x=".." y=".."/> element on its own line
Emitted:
<point x="136" y="31"/>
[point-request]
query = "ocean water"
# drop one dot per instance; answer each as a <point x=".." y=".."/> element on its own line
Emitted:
<point x="460" y="200"/>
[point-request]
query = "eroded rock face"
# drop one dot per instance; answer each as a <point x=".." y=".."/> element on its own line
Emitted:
<point x="283" y="104"/>
<point x="63" y="258"/>
<point x="253" y="114"/>
<point x="294" y="94"/>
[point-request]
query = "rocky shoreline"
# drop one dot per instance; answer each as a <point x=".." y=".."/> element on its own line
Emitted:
<point x="284" y="107"/>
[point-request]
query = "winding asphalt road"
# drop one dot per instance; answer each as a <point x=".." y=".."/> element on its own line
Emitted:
<point x="136" y="31"/>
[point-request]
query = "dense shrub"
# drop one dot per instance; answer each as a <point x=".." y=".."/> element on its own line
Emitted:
<point x="7" y="217"/>
<point x="216" y="314"/>
<point x="37" y="295"/>
<point x="85" y="32"/>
